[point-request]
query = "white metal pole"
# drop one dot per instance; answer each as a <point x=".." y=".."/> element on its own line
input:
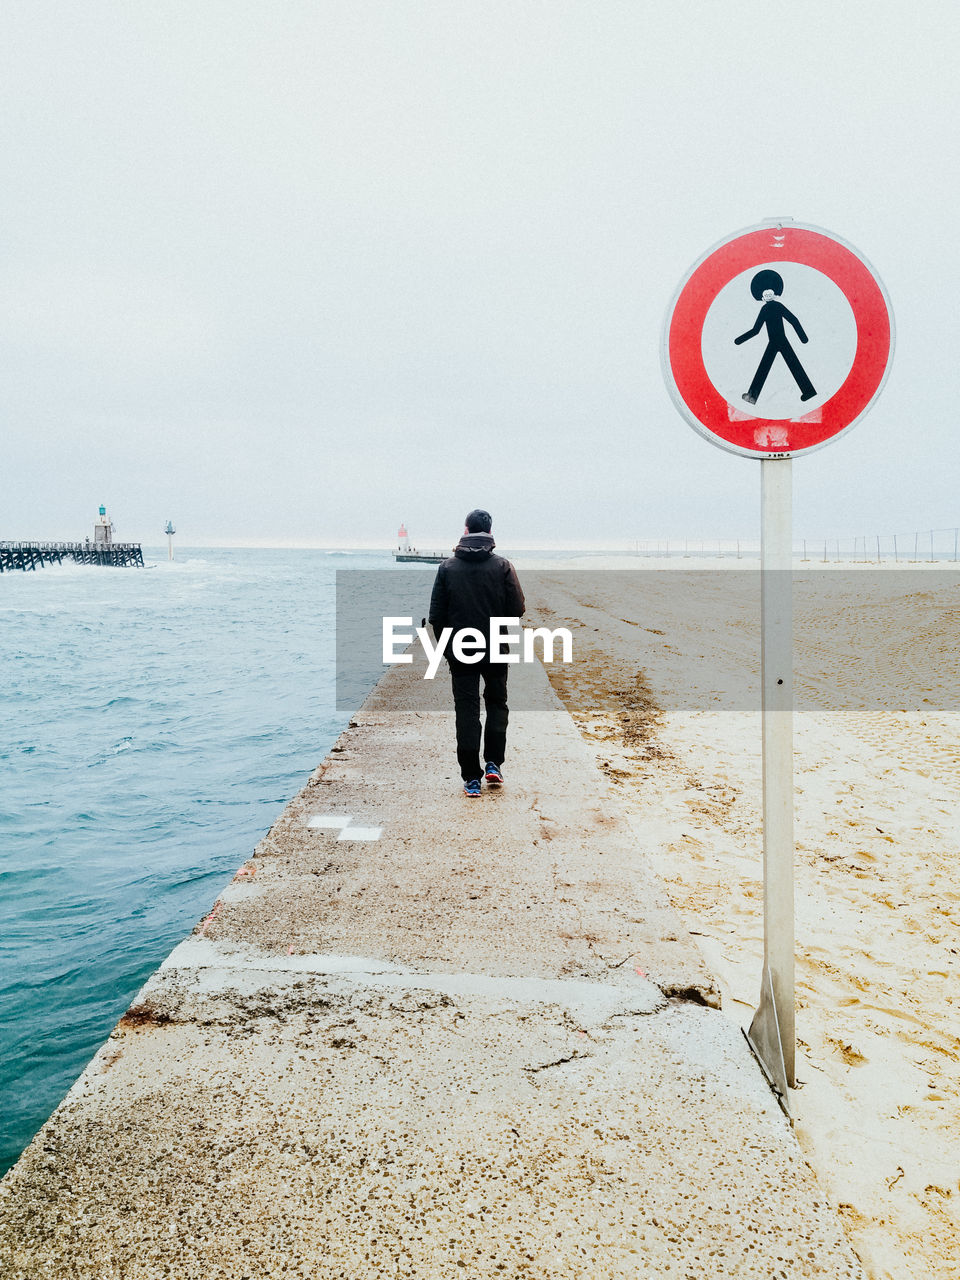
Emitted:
<point x="775" y="1019"/>
<point x="777" y="664"/>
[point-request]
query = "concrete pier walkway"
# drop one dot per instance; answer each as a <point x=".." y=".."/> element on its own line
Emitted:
<point x="425" y="1036"/>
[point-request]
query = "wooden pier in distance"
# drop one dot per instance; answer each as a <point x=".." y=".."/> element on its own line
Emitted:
<point x="34" y="555"/>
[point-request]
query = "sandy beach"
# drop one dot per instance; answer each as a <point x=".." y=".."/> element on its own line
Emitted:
<point x="657" y="689"/>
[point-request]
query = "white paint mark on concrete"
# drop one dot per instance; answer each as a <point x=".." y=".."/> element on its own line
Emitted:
<point x="199" y="953"/>
<point x="220" y="966"/>
<point x="340" y="822"/>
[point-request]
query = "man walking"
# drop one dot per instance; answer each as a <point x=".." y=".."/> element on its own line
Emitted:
<point x="472" y="586"/>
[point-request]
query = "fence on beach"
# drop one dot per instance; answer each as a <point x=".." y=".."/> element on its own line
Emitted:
<point x="918" y="546"/>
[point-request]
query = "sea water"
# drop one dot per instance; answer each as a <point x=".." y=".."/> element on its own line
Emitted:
<point x="153" y="723"/>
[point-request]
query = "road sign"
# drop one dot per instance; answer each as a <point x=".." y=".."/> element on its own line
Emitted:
<point x="777" y="341"/>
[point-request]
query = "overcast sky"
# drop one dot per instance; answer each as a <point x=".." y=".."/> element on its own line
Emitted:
<point x="295" y="271"/>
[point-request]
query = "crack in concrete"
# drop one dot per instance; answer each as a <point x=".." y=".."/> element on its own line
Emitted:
<point x="557" y="1062"/>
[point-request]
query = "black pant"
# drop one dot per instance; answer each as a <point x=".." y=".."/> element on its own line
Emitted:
<point x="466" y="701"/>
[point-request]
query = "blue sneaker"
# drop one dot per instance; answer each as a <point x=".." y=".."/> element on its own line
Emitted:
<point x="492" y="775"/>
<point x="472" y="788"/>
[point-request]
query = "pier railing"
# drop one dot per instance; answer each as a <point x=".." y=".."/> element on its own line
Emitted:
<point x="35" y="555"/>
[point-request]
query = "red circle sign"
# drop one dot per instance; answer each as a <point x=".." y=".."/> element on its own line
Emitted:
<point x="779" y="339"/>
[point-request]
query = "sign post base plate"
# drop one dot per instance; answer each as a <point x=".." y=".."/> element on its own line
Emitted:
<point x="766" y="1042"/>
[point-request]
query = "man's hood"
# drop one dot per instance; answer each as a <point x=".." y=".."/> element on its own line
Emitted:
<point x="475" y="547"/>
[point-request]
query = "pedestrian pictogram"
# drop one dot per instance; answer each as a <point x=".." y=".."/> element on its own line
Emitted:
<point x="777" y="340"/>
<point x="766" y="287"/>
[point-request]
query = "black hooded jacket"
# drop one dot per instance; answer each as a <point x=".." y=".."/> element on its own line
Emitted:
<point x="473" y="585"/>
